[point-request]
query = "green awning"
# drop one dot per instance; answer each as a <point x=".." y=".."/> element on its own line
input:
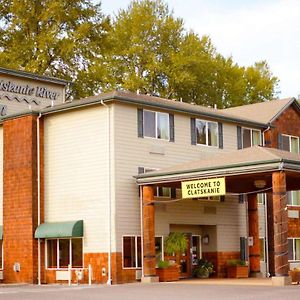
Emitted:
<point x="1" y="232"/>
<point x="60" y="229"/>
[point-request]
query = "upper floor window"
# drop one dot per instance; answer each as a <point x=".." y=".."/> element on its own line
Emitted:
<point x="290" y="143"/>
<point x="207" y="133"/>
<point x="156" y="125"/>
<point x="248" y="137"/>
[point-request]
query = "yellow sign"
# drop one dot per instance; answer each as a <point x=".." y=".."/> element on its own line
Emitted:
<point x="203" y="188"/>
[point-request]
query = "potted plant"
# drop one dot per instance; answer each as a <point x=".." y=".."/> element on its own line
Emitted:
<point x="203" y="269"/>
<point x="237" y="268"/>
<point x="174" y="244"/>
<point x="167" y="271"/>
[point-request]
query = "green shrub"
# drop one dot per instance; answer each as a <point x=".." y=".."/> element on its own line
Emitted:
<point x="163" y="264"/>
<point x="236" y="262"/>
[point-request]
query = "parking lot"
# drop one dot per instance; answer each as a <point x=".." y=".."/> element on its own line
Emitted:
<point x="182" y="290"/>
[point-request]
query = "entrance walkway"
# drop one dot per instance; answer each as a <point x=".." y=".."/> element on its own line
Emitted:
<point x="227" y="281"/>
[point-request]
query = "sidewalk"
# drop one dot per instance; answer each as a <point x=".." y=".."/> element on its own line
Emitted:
<point x="227" y="281"/>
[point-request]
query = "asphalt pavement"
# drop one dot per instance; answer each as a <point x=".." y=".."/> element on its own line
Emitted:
<point x="157" y="291"/>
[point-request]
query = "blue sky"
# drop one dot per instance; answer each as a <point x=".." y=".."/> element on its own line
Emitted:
<point x="248" y="30"/>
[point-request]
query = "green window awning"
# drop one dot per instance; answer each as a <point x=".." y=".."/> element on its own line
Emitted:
<point x="60" y="229"/>
<point x="1" y="232"/>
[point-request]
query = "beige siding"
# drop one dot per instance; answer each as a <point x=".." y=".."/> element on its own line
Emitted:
<point x="132" y="152"/>
<point x="1" y="175"/>
<point x="76" y="168"/>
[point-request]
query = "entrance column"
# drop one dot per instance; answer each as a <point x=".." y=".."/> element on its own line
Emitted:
<point x="280" y="217"/>
<point x="254" y="250"/>
<point x="149" y="261"/>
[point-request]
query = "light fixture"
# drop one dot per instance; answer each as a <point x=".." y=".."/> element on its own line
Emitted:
<point x="260" y="183"/>
<point x="205" y="239"/>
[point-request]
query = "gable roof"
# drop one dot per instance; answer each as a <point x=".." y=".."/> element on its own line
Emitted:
<point x="248" y="160"/>
<point x="263" y="112"/>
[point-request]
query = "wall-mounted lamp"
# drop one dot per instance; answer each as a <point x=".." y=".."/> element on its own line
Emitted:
<point x="260" y="183"/>
<point x="205" y="239"/>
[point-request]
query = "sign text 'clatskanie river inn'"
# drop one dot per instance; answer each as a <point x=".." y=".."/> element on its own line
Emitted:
<point x="21" y="91"/>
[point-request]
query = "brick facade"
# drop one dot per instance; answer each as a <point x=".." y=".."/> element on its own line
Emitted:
<point x="20" y="207"/>
<point x="98" y="261"/>
<point x="219" y="260"/>
<point x="288" y="122"/>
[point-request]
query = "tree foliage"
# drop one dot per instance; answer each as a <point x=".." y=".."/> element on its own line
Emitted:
<point x="62" y="38"/>
<point x="145" y="47"/>
<point x="153" y="53"/>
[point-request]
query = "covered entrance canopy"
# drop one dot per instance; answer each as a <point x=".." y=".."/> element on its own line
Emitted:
<point x="251" y="170"/>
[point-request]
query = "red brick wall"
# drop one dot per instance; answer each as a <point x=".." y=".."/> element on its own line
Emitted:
<point x="294" y="224"/>
<point x="219" y="260"/>
<point x="287" y="123"/>
<point x="99" y="261"/>
<point x="20" y="199"/>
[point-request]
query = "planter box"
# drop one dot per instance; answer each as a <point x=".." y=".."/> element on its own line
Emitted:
<point x="168" y="274"/>
<point x="237" y="271"/>
<point x="295" y="276"/>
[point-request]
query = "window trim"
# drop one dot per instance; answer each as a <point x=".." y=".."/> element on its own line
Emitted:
<point x="206" y="133"/>
<point x="57" y="253"/>
<point x="264" y="243"/>
<point x="290" y="141"/>
<point x="136" y="252"/>
<point x="251" y="136"/>
<point x="294" y="248"/>
<point x="156" y="113"/>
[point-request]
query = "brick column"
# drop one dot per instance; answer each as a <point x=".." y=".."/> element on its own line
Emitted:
<point x="20" y="199"/>
<point x="280" y="224"/>
<point x="148" y="235"/>
<point x="254" y="251"/>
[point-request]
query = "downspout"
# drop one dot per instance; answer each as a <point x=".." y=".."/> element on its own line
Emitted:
<point x="266" y="245"/>
<point x="142" y="228"/>
<point x="38" y="193"/>
<point x="263" y="134"/>
<point x="266" y="219"/>
<point x="109" y="193"/>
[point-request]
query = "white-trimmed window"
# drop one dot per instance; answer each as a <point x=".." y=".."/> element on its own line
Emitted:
<point x="156" y="125"/>
<point x="290" y="143"/>
<point x="250" y="137"/>
<point x="207" y="133"/>
<point x="262" y="249"/>
<point x="63" y="252"/>
<point x="164" y="192"/>
<point x="294" y="198"/>
<point x="131" y="249"/>
<point x="294" y="249"/>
